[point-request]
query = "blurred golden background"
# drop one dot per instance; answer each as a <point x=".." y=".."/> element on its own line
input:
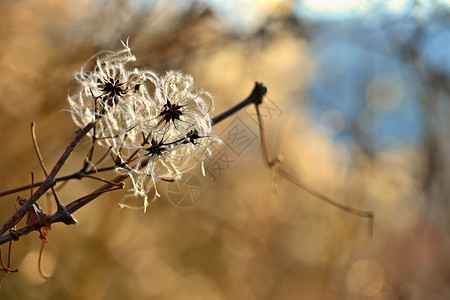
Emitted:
<point x="357" y="103"/>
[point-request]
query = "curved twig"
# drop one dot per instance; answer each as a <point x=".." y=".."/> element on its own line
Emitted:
<point x="4" y="267"/>
<point x="41" y="162"/>
<point x="41" y="272"/>
<point x="276" y="168"/>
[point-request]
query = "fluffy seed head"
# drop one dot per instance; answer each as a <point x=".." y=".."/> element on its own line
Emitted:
<point x="158" y="136"/>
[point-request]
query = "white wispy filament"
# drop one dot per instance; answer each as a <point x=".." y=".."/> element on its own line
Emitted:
<point x="170" y="129"/>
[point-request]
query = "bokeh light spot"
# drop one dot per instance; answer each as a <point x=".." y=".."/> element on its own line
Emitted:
<point x="365" y="278"/>
<point x="333" y="121"/>
<point x="385" y="92"/>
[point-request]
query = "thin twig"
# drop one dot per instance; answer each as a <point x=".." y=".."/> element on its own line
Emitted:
<point x="4" y="267"/>
<point x="9" y="253"/>
<point x="41" y="272"/>
<point x="274" y="165"/>
<point x="102" y="180"/>
<point x="41" y="162"/>
<point x="77" y="204"/>
<point x="76" y="175"/>
<point x="255" y="96"/>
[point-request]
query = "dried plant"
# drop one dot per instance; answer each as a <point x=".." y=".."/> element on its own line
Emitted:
<point x="149" y="128"/>
<point x="152" y="137"/>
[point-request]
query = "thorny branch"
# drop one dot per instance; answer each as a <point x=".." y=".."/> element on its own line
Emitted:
<point x="48" y="183"/>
